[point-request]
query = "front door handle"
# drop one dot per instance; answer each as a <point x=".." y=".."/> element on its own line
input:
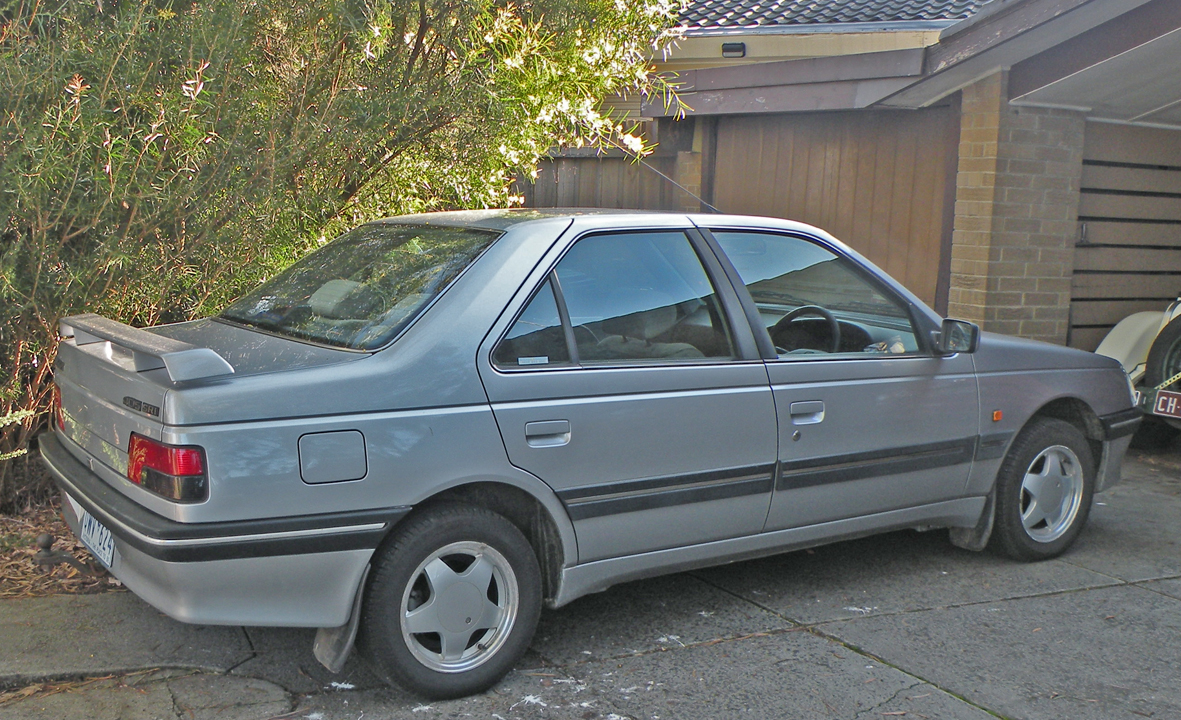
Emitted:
<point x="547" y="433"/>
<point x="808" y="412"/>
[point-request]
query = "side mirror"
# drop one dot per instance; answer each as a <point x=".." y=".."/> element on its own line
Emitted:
<point x="956" y="336"/>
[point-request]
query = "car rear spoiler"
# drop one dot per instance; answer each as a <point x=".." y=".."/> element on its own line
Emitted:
<point x="149" y="350"/>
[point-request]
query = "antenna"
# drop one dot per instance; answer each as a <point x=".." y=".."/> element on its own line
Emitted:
<point x="684" y="189"/>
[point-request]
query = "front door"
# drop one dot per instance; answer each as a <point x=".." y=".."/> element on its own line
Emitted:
<point x="869" y="420"/>
<point x="628" y="385"/>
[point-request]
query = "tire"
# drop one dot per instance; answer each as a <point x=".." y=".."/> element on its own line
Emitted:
<point x="1164" y="361"/>
<point x="1049" y="461"/>
<point x="453" y="602"/>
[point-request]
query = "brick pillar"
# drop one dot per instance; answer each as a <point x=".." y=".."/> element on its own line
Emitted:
<point x="1016" y="214"/>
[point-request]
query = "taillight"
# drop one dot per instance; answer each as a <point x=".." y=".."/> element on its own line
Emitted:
<point x="59" y="418"/>
<point x="174" y="472"/>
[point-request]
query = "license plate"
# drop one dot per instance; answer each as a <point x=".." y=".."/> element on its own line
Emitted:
<point x="96" y="538"/>
<point x="1167" y="404"/>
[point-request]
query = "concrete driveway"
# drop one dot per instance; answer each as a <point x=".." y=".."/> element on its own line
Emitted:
<point x="902" y="625"/>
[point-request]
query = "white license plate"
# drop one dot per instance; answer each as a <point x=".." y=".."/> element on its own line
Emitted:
<point x="96" y="538"/>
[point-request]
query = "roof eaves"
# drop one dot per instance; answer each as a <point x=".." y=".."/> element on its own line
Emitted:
<point x="820" y="28"/>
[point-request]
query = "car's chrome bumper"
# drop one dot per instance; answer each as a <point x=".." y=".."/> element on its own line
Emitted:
<point x="296" y="571"/>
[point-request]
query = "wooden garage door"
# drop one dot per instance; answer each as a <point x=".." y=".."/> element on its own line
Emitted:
<point x="1128" y="256"/>
<point x="877" y="180"/>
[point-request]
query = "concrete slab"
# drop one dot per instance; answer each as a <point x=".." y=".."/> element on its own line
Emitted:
<point x="536" y="695"/>
<point x="89" y="635"/>
<point x="792" y="674"/>
<point x="899" y="572"/>
<point x="167" y="694"/>
<point x="638" y="617"/>
<point x="1094" y="654"/>
<point x="284" y="656"/>
<point x="1172" y="588"/>
<point x="1132" y="533"/>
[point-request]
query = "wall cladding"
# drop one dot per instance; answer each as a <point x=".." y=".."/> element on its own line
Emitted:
<point x="1128" y="256"/>
<point x="877" y="180"/>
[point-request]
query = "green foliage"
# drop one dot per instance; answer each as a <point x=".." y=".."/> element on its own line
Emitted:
<point x="157" y="158"/>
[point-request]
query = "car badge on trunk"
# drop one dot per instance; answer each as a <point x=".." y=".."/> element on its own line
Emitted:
<point x="141" y="406"/>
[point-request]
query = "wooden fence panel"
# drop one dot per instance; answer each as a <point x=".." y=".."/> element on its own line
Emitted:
<point x="876" y="180"/>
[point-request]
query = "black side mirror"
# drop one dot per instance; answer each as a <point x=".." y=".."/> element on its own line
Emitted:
<point x="956" y="336"/>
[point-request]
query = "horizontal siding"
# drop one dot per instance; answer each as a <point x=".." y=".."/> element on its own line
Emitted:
<point x="1135" y="207"/>
<point x="1128" y="258"/>
<point x="1100" y="232"/>
<point x="1106" y="142"/>
<point x="1138" y="179"/>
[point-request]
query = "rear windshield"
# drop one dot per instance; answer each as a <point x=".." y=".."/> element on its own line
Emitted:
<point x="362" y="289"/>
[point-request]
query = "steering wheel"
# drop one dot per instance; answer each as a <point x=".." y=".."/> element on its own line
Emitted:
<point x="791" y="317"/>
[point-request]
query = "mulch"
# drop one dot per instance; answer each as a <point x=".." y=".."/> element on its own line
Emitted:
<point x="21" y="578"/>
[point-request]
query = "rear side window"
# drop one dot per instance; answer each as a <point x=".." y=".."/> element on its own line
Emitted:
<point x="363" y="288"/>
<point x="627" y="298"/>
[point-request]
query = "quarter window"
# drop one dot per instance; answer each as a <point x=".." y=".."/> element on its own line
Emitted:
<point x="537" y="337"/>
<point x="815" y="302"/>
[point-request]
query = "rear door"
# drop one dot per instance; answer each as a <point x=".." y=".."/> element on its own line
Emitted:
<point x="625" y="376"/>
<point x="869" y="420"/>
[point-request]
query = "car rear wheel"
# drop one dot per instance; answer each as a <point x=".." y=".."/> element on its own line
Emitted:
<point x="1044" y="489"/>
<point x="453" y="602"/>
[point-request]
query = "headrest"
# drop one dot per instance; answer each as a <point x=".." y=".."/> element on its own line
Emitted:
<point x="343" y="299"/>
<point x="645" y="324"/>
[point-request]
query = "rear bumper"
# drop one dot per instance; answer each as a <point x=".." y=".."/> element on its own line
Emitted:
<point x="293" y="571"/>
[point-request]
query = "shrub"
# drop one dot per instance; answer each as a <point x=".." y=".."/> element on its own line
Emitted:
<point x="157" y="158"/>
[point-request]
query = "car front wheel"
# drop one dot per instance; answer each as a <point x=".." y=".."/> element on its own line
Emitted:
<point x="1044" y="489"/>
<point x="453" y="603"/>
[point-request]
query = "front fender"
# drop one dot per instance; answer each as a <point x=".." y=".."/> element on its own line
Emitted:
<point x="1131" y="339"/>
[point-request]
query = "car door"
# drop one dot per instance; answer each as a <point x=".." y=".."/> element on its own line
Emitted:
<point x="629" y="381"/>
<point x="870" y="421"/>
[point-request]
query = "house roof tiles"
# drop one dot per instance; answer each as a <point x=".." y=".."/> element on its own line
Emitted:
<point x="759" y="13"/>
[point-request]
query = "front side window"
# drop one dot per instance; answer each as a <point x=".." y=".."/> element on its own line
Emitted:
<point x="816" y="302"/>
<point x="363" y="288"/>
<point x="629" y="298"/>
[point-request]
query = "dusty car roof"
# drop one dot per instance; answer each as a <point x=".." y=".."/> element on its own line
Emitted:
<point x="503" y="219"/>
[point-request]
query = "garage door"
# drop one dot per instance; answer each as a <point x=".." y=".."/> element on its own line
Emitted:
<point x="1128" y="256"/>
<point x="878" y="180"/>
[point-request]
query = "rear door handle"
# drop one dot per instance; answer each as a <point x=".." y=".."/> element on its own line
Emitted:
<point x="547" y="433"/>
<point x="808" y="412"/>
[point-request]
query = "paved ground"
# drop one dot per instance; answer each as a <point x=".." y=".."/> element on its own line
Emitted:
<point x="902" y="625"/>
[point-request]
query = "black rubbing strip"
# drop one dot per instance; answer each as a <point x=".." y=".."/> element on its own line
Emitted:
<point x="667" y="482"/>
<point x="992" y="445"/>
<point x="668" y="498"/>
<point x="858" y="466"/>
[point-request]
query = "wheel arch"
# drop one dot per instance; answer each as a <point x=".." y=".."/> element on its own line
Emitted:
<point x="1078" y="413"/>
<point x="551" y="542"/>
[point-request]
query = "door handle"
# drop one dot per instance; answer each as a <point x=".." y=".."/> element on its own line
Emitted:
<point x="808" y="412"/>
<point x="547" y="433"/>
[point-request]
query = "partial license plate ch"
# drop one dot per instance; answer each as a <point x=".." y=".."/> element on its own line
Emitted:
<point x="1167" y="403"/>
<point x="96" y="538"/>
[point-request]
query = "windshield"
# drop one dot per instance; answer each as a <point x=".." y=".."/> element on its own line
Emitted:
<point x="363" y="288"/>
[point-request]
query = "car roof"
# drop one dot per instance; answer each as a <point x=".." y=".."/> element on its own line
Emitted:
<point x="503" y="219"/>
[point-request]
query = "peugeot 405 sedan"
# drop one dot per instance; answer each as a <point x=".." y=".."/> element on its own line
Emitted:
<point x="436" y="424"/>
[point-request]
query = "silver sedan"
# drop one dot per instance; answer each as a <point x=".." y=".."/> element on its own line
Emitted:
<point x="436" y="424"/>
